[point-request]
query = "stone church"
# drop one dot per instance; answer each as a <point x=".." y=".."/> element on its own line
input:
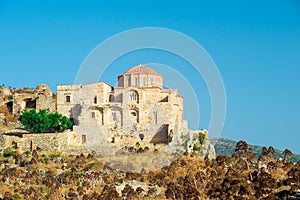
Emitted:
<point x="139" y="109"/>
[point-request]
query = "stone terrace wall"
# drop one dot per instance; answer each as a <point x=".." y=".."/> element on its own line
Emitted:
<point x="46" y="141"/>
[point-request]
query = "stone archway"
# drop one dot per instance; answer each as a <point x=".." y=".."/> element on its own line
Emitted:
<point x="98" y="113"/>
<point x="117" y="116"/>
<point x="9" y="106"/>
<point x="134" y="116"/>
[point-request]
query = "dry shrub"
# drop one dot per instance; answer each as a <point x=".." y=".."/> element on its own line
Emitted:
<point x="11" y="118"/>
<point x="4" y="110"/>
<point x="8" y="116"/>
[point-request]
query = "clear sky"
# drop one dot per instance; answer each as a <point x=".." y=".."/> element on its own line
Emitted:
<point x="255" y="44"/>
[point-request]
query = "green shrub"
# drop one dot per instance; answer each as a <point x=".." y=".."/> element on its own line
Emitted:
<point x="78" y="183"/>
<point x="10" y="97"/>
<point x="41" y="122"/>
<point x="202" y="138"/>
<point x="280" y="183"/>
<point x="68" y="173"/>
<point x="80" y="173"/>
<point x="11" y="169"/>
<point x="27" y="152"/>
<point x="196" y="147"/>
<point x="15" y="197"/>
<point x="46" y="159"/>
<point x="9" y="152"/>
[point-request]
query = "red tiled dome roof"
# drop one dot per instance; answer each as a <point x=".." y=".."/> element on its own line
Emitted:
<point x="141" y="70"/>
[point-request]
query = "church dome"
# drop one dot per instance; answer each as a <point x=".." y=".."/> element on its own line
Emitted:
<point x="141" y="70"/>
<point x="140" y="76"/>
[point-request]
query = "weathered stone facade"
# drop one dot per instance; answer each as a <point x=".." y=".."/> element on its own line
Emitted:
<point x="67" y="141"/>
<point x="16" y="100"/>
<point x="137" y="110"/>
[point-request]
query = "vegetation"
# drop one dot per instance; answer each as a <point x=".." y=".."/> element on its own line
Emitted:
<point x="241" y="176"/>
<point x="9" y="152"/>
<point x="41" y="122"/>
<point x="196" y="147"/>
<point x="46" y="159"/>
<point x="10" y="97"/>
<point x="202" y="138"/>
<point x="9" y="117"/>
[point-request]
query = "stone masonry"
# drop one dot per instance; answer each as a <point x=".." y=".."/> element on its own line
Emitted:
<point x="16" y="100"/>
<point x="137" y="110"/>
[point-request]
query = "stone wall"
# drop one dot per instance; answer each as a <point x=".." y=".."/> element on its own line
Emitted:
<point x="37" y="98"/>
<point x="138" y="107"/>
<point x="46" y="141"/>
<point x="81" y="96"/>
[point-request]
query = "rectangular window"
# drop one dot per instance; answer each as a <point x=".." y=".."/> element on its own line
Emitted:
<point x="93" y="115"/>
<point x="151" y="81"/>
<point x="114" y="116"/>
<point x="95" y="100"/>
<point x="83" y="139"/>
<point x="68" y="99"/>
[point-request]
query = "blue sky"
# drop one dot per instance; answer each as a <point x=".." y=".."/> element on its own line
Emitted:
<point x="255" y="44"/>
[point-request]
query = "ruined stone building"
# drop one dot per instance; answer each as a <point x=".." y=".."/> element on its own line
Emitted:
<point x="138" y="109"/>
<point x="16" y="100"/>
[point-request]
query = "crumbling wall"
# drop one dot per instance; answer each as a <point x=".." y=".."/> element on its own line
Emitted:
<point x="45" y="141"/>
<point x="16" y="100"/>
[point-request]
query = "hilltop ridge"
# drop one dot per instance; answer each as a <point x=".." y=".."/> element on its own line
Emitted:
<point x="226" y="147"/>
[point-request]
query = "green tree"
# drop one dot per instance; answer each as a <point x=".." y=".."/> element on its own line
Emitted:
<point x="64" y="123"/>
<point x="202" y="138"/>
<point x="40" y="122"/>
<point x="54" y="121"/>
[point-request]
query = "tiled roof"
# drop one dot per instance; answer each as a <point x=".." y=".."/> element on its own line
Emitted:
<point x="140" y="70"/>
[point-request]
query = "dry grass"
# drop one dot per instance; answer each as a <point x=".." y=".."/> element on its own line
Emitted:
<point x="4" y="128"/>
<point x="135" y="162"/>
<point x="8" y="116"/>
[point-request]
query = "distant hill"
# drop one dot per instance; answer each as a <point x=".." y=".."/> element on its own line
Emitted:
<point x="226" y="147"/>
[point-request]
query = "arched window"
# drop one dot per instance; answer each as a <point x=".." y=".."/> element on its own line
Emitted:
<point x="135" y="81"/>
<point x="151" y="81"/>
<point x="129" y="81"/>
<point x="134" y="116"/>
<point x="133" y="96"/>
<point x="144" y="81"/>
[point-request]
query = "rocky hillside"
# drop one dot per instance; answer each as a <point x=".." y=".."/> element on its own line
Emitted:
<point x="226" y="147"/>
<point x="53" y="175"/>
